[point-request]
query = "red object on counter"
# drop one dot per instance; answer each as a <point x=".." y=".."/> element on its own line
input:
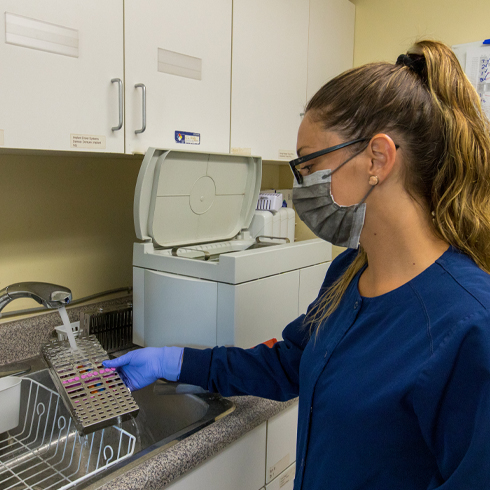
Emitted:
<point x="270" y="342"/>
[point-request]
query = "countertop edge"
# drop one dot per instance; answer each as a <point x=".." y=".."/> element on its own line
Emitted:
<point x="164" y="468"/>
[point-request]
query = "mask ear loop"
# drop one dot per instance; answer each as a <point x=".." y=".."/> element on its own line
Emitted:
<point x="373" y="182"/>
<point x="347" y="161"/>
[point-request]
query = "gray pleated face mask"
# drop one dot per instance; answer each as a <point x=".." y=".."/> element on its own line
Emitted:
<point x="316" y="207"/>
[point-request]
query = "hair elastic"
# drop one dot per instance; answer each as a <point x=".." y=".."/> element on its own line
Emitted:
<point x="415" y="62"/>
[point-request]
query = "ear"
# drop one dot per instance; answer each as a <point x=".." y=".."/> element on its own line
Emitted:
<point x="382" y="154"/>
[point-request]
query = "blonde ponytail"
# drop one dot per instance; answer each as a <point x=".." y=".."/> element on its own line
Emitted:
<point x="461" y="189"/>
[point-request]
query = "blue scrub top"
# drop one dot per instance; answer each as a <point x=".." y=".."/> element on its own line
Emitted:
<point x="394" y="391"/>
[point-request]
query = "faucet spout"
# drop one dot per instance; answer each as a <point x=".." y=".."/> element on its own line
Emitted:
<point x="48" y="295"/>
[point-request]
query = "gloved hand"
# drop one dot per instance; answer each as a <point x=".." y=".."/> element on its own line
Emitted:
<point x="141" y="367"/>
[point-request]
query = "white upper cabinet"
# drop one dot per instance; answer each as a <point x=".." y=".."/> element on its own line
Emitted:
<point x="283" y="52"/>
<point x="178" y="58"/>
<point x="120" y="76"/>
<point x="331" y="41"/>
<point x="58" y="60"/>
<point x="270" y="53"/>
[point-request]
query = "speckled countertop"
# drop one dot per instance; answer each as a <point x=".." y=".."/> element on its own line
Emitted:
<point x="22" y="339"/>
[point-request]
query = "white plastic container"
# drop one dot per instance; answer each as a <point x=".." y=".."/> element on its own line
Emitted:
<point x="9" y="402"/>
<point x="61" y="332"/>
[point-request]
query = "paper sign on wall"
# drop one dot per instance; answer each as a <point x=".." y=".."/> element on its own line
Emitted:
<point x="478" y="70"/>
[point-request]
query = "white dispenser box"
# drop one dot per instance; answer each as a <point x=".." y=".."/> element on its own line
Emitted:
<point x="201" y="276"/>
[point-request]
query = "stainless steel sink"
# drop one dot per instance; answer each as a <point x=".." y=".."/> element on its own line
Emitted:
<point x="165" y="417"/>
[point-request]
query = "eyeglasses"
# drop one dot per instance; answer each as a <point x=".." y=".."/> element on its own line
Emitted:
<point x="298" y="161"/>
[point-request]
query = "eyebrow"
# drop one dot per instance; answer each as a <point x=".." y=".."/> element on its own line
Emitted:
<point x="299" y="150"/>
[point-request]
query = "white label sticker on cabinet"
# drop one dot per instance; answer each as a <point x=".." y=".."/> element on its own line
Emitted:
<point x="286" y="477"/>
<point x="287" y="154"/>
<point x="179" y="64"/>
<point x="87" y="141"/>
<point x="241" y="151"/>
<point x="278" y="467"/>
<point x="1" y="138"/>
<point x="37" y="34"/>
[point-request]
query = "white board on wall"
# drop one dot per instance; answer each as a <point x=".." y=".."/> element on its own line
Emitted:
<point x="475" y="60"/>
<point x="461" y="50"/>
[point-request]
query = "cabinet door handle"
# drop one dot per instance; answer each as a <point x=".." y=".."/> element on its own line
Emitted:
<point x="143" y="103"/>
<point x="120" y="87"/>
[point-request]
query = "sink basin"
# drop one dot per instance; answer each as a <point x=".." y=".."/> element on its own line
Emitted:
<point x="165" y="417"/>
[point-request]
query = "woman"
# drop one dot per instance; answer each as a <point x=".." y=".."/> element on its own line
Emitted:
<point x="392" y="361"/>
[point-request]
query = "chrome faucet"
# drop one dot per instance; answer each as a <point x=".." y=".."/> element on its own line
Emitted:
<point x="48" y="295"/>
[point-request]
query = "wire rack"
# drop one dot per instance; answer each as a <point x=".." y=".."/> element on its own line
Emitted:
<point x="95" y="396"/>
<point x="46" y="452"/>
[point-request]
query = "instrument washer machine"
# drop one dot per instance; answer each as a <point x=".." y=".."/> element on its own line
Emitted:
<point x="200" y="279"/>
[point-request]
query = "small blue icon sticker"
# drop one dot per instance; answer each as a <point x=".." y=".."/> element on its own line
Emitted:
<point x="186" y="138"/>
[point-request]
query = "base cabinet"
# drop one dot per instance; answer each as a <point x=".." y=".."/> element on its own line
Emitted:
<point x="241" y="466"/>
<point x="263" y="459"/>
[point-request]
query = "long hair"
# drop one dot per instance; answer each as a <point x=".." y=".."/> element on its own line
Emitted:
<point x="433" y="108"/>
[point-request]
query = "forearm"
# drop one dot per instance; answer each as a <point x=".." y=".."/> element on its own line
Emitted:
<point x="261" y="371"/>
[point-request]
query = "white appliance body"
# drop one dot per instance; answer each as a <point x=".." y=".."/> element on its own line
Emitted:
<point x="239" y="295"/>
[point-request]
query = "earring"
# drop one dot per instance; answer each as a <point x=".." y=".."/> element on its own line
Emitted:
<point x="373" y="180"/>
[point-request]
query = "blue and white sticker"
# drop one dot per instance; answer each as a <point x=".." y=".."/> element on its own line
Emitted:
<point x="186" y="138"/>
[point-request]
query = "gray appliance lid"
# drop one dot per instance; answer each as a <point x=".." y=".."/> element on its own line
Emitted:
<point x="185" y="197"/>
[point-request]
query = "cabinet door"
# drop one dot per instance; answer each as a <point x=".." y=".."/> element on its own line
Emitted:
<point x="239" y="467"/>
<point x="270" y="48"/>
<point x="181" y="54"/>
<point x="331" y="41"/>
<point x="55" y="89"/>
<point x="281" y="441"/>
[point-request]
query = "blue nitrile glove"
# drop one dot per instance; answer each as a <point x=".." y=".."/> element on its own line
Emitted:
<point x="141" y="367"/>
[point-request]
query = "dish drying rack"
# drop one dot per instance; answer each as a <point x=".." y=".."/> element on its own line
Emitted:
<point x="46" y="451"/>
